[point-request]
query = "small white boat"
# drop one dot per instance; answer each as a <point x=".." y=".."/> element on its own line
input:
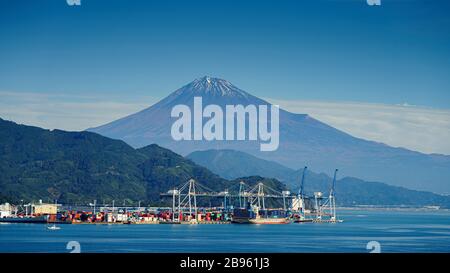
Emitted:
<point x="54" y="227"/>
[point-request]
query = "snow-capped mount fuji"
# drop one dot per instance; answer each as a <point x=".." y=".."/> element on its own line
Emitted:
<point x="153" y="124"/>
<point x="303" y="141"/>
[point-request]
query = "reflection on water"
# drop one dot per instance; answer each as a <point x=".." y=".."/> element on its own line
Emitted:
<point x="396" y="231"/>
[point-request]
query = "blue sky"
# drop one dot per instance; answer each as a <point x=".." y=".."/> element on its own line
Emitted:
<point x="334" y="50"/>
<point x="139" y="51"/>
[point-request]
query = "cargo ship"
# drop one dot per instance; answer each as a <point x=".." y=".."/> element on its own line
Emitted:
<point x="253" y="215"/>
<point x="242" y="216"/>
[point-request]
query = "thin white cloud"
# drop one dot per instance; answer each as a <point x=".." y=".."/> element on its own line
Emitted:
<point x="66" y="112"/>
<point x="421" y="129"/>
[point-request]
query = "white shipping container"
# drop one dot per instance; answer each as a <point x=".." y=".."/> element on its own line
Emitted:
<point x="121" y="217"/>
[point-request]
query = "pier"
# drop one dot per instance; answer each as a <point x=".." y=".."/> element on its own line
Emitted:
<point x="259" y="204"/>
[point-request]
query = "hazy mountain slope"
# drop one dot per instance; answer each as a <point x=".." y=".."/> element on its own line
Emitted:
<point x="233" y="164"/>
<point x="303" y="141"/>
<point x="353" y="191"/>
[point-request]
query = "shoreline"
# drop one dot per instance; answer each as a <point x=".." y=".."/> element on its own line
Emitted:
<point x="393" y="209"/>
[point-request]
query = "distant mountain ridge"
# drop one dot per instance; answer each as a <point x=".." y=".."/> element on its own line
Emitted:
<point x="350" y="191"/>
<point x="303" y="141"/>
<point x="79" y="167"/>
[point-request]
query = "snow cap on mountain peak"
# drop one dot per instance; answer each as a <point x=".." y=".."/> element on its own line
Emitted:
<point x="213" y="91"/>
<point x="213" y="86"/>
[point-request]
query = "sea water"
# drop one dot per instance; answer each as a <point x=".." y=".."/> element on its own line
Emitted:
<point x="392" y="230"/>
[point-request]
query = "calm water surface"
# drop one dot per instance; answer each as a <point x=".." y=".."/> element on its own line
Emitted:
<point x="396" y="231"/>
